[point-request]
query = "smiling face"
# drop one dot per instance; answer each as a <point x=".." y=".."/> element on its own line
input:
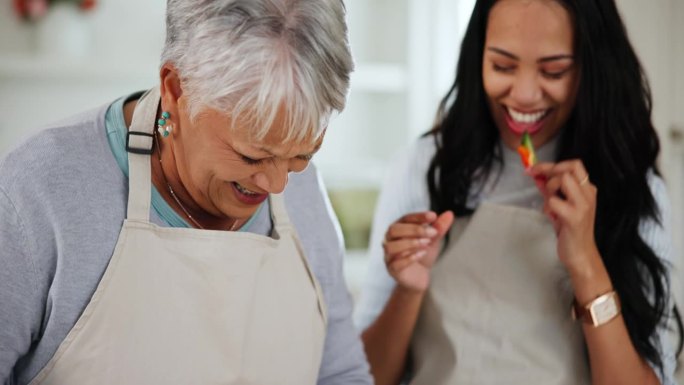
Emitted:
<point x="218" y="168"/>
<point x="227" y="172"/>
<point x="528" y="69"/>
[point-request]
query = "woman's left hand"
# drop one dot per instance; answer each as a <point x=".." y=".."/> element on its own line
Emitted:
<point x="570" y="202"/>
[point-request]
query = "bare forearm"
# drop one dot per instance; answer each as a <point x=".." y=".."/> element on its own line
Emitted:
<point x="613" y="358"/>
<point x="387" y="340"/>
<point x="612" y="355"/>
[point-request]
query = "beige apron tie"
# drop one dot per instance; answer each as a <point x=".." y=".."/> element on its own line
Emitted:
<point x="498" y="308"/>
<point x="188" y="306"/>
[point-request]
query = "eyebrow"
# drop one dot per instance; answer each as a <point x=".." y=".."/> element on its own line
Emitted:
<point x="318" y="147"/>
<point x="542" y="60"/>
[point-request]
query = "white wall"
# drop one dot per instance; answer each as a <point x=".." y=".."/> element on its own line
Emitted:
<point x="676" y="172"/>
<point x="15" y="36"/>
<point x="70" y="62"/>
<point x="656" y="32"/>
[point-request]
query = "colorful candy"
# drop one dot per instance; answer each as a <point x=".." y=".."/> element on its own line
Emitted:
<point x="526" y="151"/>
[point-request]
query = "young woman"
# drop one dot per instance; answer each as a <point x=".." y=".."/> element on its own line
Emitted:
<point x="487" y="298"/>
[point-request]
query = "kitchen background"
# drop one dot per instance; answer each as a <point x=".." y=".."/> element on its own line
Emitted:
<point x="81" y="54"/>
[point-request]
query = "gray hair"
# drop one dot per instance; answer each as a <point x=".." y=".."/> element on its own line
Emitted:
<point x="256" y="59"/>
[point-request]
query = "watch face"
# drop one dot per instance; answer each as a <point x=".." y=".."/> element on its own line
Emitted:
<point x="603" y="310"/>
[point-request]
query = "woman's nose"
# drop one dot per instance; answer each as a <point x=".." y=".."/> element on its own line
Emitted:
<point x="526" y="90"/>
<point x="273" y="179"/>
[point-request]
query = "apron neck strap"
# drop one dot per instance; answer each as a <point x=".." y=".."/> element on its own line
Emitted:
<point x="279" y="215"/>
<point x="139" y="142"/>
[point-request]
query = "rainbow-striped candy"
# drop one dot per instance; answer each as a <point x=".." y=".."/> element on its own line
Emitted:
<point x="526" y="151"/>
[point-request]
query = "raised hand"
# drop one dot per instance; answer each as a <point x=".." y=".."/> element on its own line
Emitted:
<point x="570" y="202"/>
<point x="411" y="246"/>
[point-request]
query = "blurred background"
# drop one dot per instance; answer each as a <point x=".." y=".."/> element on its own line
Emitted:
<point x="74" y="55"/>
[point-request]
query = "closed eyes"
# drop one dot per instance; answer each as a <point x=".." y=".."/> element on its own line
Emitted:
<point x="256" y="162"/>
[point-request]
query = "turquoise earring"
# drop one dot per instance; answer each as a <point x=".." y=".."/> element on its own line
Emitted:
<point x="162" y="127"/>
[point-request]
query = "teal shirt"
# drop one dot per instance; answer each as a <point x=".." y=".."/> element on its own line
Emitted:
<point x="116" y="135"/>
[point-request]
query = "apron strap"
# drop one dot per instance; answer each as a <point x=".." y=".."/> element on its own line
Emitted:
<point x="139" y="142"/>
<point x="278" y="212"/>
<point x="282" y="225"/>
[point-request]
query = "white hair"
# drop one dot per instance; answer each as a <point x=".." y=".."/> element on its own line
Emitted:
<point x="256" y="59"/>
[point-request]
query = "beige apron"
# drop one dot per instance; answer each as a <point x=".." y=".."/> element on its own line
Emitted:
<point x="498" y="308"/>
<point x="188" y="306"/>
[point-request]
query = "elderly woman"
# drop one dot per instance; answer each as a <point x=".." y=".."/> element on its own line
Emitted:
<point x="153" y="241"/>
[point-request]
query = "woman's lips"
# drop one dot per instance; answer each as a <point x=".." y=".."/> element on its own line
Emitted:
<point x="245" y="197"/>
<point x="525" y="122"/>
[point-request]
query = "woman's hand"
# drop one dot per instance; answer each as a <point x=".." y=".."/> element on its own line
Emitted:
<point x="570" y="202"/>
<point x="411" y="247"/>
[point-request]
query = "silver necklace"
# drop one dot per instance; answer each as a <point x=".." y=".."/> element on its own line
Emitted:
<point x="175" y="198"/>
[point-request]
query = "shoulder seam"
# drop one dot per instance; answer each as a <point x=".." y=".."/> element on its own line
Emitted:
<point x="24" y="239"/>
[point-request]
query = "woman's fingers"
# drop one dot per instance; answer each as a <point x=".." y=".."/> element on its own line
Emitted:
<point x="399" y="246"/>
<point x="405" y="230"/>
<point x="565" y="186"/>
<point x="572" y="205"/>
<point x="550" y="170"/>
<point x="416" y="230"/>
<point x="423" y="217"/>
<point x="561" y="211"/>
<point x="443" y="223"/>
<point x="398" y="264"/>
<point x="569" y="196"/>
<point x="572" y="190"/>
<point x="400" y="255"/>
<point x="542" y="168"/>
<point x="407" y="240"/>
<point x="567" y="180"/>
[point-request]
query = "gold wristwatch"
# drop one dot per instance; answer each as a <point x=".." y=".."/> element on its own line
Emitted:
<point x="599" y="311"/>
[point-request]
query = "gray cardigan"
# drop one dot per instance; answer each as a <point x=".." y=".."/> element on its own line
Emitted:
<point x="62" y="204"/>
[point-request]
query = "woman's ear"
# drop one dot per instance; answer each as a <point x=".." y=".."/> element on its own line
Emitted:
<point x="171" y="90"/>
